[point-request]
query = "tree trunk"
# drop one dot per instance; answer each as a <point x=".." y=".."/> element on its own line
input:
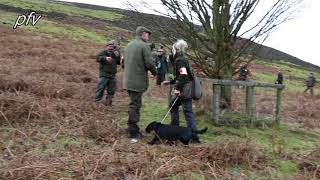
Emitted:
<point x="226" y="90"/>
<point x="222" y="29"/>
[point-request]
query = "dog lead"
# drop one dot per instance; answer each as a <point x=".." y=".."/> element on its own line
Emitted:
<point x="170" y="109"/>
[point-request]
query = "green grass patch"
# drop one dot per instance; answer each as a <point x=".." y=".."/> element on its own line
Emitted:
<point x="276" y="141"/>
<point x="263" y="76"/>
<point x="46" y="6"/>
<point x="294" y="75"/>
<point x="289" y="136"/>
<point x="289" y="70"/>
<point x="59" y="145"/>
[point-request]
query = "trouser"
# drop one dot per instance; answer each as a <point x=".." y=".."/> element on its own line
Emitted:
<point x="160" y="78"/>
<point x="108" y="83"/>
<point x="309" y="88"/>
<point x="187" y="110"/>
<point x="134" y="112"/>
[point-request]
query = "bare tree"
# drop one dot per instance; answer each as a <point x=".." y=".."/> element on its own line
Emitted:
<point x="227" y="29"/>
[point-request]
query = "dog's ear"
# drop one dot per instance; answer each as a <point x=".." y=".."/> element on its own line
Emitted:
<point x="148" y="128"/>
<point x="157" y="125"/>
<point x="151" y="126"/>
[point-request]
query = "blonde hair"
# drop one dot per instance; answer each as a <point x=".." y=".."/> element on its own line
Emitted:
<point x="180" y="46"/>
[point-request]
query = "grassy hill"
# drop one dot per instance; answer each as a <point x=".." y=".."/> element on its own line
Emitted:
<point x="126" y="20"/>
<point x="51" y="128"/>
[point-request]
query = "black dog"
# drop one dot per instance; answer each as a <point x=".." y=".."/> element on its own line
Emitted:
<point x="172" y="133"/>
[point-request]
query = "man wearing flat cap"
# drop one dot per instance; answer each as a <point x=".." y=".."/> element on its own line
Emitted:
<point x="108" y="60"/>
<point x="138" y="61"/>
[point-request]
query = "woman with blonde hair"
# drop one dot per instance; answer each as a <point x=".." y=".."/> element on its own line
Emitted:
<point x="182" y="87"/>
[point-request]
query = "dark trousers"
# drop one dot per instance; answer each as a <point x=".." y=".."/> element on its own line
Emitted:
<point x="108" y="83"/>
<point x="160" y="78"/>
<point x="134" y="112"/>
<point x="309" y="88"/>
<point x="187" y="110"/>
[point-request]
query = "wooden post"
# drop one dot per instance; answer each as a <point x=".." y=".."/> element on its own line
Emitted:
<point x="278" y="102"/>
<point x="217" y="83"/>
<point x="249" y="102"/>
<point x="216" y="103"/>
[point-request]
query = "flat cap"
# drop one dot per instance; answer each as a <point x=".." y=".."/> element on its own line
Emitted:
<point x="112" y="42"/>
<point x="141" y="29"/>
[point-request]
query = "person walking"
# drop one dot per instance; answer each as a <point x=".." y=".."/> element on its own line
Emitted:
<point x="279" y="78"/>
<point x="310" y="83"/>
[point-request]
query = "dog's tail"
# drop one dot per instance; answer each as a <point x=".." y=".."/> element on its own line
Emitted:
<point x="201" y="131"/>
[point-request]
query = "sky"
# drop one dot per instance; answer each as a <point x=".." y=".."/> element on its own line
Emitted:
<point x="299" y="37"/>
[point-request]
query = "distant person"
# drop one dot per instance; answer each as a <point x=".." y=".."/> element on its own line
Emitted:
<point x="138" y="61"/>
<point x="161" y="66"/>
<point x="161" y="46"/>
<point x="310" y="83"/>
<point x="108" y="60"/>
<point x="244" y="73"/>
<point x="279" y="78"/>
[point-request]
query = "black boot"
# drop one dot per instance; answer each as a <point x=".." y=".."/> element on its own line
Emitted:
<point x="108" y="102"/>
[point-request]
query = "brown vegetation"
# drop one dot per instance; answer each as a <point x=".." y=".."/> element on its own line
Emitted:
<point x="310" y="164"/>
<point x="52" y="128"/>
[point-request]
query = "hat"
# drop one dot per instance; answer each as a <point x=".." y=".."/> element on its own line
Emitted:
<point x="110" y="43"/>
<point x="141" y="29"/>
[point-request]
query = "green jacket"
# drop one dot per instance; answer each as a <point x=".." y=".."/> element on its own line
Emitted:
<point x="108" y="69"/>
<point x="138" y="60"/>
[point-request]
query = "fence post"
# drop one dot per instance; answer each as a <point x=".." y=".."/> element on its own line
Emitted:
<point x="278" y="102"/>
<point x="249" y="102"/>
<point x="216" y="103"/>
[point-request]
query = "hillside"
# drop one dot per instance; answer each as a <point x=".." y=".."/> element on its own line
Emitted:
<point x="131" y="19"/>
<point x="271" y="54"/>
<point x="51" y="128"/>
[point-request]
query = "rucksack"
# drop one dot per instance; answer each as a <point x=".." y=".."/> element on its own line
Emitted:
<point x="196" y="90"/>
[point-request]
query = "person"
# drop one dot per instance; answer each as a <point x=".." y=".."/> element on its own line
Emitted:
<point x="161" y="66"/>
<point x="182" y="87"/>
<point x="310" y="83"/>
<point x="108" y="60"/>
<point x="279" y="78"/>
<point x="244" y="73"/>
<point x="138" y="61"/>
